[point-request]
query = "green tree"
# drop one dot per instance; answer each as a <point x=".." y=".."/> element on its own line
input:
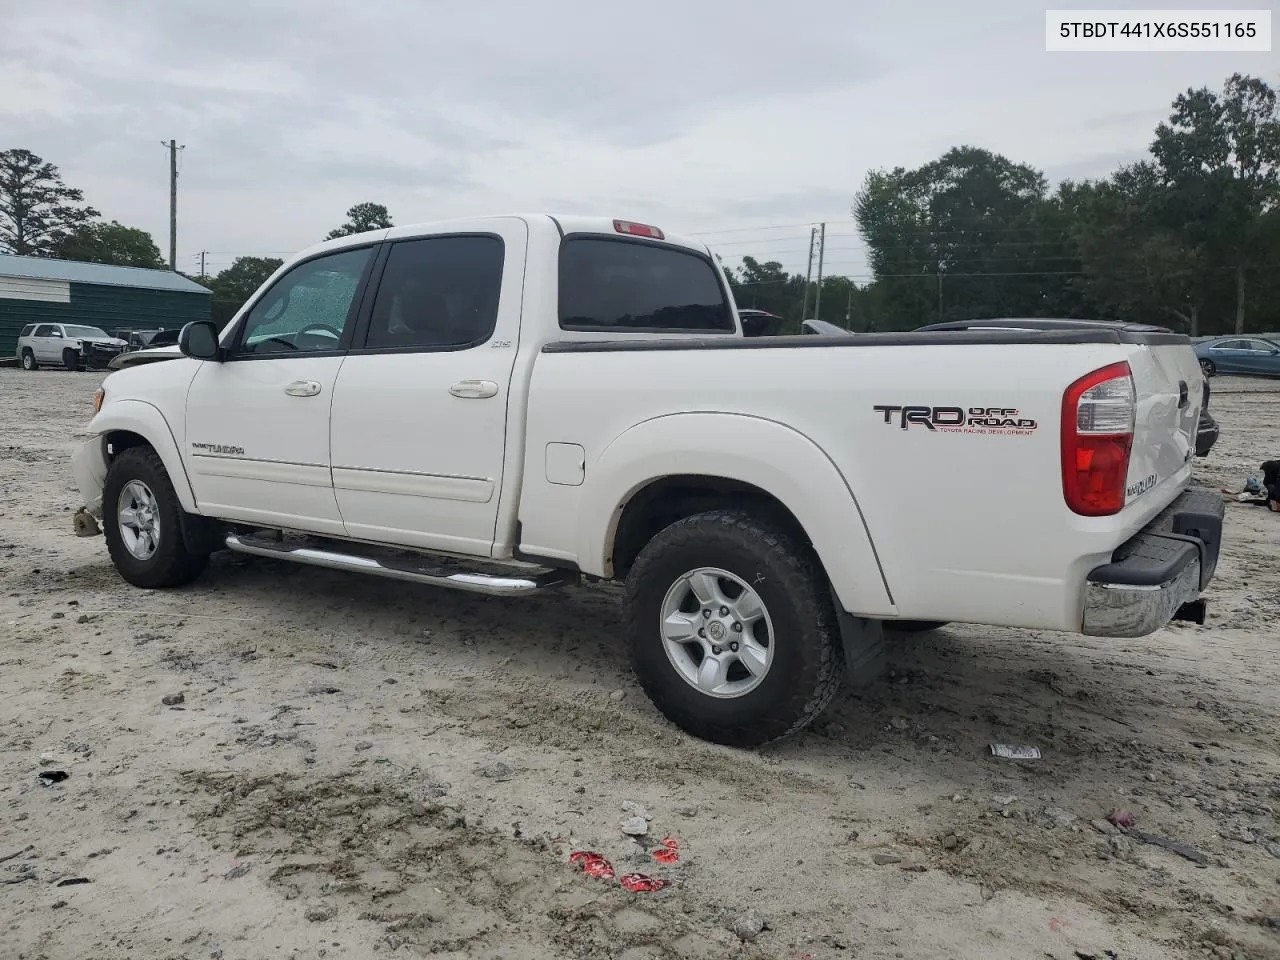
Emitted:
<point x="1218" y="157"/>
<point x="38" y="211"/>
<point x="362" y="217"/>
<point x="233" y="287"/>
<point x="971" y="234"/>
<point x="112" y="243"/>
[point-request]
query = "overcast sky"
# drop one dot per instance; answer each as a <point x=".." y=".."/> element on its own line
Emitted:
<point x="741" y="121"/>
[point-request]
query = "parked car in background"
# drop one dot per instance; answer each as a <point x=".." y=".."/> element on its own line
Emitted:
<point x="70" y="345"/>
<point x="140" y="339"/>
<point x="1255" y="356"/>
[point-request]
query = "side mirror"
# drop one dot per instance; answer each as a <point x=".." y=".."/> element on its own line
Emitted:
<point x="199" y="340"/>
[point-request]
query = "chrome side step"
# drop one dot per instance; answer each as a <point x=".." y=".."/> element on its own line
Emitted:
<point x="400" y="565"/>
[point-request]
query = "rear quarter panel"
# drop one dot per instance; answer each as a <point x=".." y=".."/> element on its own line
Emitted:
<point x="967" y="523"/>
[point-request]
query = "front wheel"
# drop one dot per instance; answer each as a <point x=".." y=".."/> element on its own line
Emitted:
<point x="28" y="360"/>
<point x="1208" y="367"/>
<point x="733" y="632"/>
<point x="143" y="523"/>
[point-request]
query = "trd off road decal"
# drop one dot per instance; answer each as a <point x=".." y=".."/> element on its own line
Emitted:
<point x="216" y="450"/>
<point x="986" y="421"/>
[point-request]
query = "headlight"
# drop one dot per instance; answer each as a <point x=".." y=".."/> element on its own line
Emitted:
<point x="98" y="396"/>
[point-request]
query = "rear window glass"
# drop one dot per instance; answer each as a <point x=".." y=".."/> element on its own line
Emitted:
<point x="26" y="331"/>
<point x="628" y="286"/>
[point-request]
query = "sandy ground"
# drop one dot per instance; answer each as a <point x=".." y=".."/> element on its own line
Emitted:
<point x="361" y="767"/>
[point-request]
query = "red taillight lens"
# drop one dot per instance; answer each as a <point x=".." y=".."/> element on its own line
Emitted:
<point x="1098" y="413"/>
<point x="637" y="229"/>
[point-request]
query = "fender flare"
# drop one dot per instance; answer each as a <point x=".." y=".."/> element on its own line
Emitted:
<point x="146" y="420"/>
<point x="771" y="456"/>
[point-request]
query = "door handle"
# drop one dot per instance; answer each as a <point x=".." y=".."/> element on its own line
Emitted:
<point x="302" y="388"/>
<point x="474" y="389"/>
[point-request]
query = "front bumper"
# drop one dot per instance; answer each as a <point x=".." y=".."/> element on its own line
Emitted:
<point x="97" y="356"/>
<point x="1158" y="574"/>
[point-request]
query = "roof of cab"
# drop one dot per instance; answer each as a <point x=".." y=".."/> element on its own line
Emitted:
<point x="566" y="224"/>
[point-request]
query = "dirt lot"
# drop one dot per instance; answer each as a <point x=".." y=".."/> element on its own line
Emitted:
<point x="361" y="767"/>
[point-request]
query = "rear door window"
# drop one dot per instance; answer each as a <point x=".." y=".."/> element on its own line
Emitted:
<point x="437" y="293"/>
<point x="627" y="286"/>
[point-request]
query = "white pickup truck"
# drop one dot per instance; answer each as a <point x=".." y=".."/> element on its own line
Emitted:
<point x="510" y="404"/>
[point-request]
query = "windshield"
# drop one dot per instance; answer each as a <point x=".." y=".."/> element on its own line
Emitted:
<point x="74" y="331"/>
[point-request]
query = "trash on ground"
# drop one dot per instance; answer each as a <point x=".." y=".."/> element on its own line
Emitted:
<point x="639" y="883"/>
<point x="1121" y="818"/>
<point x="49" y="777"/>
<point x="173" y="699"/>
<point x="1173" y="846"/>
<point x="593" y="865"/>
<point x="635" y="826"/>
<point x="669" y="852"/>
<point x="73" y="881"/>
<point x="1011" y="752"/>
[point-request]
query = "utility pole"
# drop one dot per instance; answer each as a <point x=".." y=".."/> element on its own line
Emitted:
<point x="173" y="148"/>
<point x="822" y="252"/>
<point x="202" y="254"/>
<point x="808" y="277"/>
<point x="939" y="296"/>
<point x="848" y="308"/>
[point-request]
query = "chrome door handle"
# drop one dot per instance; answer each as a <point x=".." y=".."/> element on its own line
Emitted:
<point x="474" y="389"/>
<point x="302" y="388"/>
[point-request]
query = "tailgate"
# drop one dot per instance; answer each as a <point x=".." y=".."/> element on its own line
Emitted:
<point x="1170" y="391"/>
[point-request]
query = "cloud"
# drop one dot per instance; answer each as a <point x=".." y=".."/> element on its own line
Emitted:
<point x="703" y="115"/>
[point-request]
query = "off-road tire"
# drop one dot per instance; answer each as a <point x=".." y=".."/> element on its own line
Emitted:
<point x="913" y="626"/>
<point x="808" y="658"/>
<point x="172" y="564"/>
<point x="29" y="360"/>
<point x="70" y="359"/>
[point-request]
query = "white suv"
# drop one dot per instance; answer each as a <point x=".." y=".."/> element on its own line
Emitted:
<point x="71" y="345"/>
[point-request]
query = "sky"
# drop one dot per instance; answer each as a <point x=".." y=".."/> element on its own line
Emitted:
<point x="742" y="124"/>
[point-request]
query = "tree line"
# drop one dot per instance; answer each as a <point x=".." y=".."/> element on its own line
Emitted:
<point x="1188" y="237"/>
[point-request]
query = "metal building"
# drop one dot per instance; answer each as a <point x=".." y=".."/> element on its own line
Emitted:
<point x="38" y="290"/>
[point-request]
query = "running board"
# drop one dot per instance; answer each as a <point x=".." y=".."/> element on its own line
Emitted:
<point x="401" y="565"/>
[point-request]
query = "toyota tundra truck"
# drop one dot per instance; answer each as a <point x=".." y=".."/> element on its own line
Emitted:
<point x="511" y="404"/>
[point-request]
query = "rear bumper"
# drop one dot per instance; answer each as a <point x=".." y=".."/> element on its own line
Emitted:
<point x="1156" y="574"/>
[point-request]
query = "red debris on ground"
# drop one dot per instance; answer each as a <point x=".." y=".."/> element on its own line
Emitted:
<point x="639" y="883"/>
<point x="593" y="865"/>
<point x="669" y="852"/>
<point x="1121" y="818"/>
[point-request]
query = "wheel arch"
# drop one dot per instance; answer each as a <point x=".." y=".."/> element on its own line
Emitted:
<point x="131" y="423"/>
<point x="636" y="493"/>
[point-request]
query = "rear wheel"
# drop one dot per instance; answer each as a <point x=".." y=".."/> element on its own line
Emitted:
<point x="70" y="359"/>
<point x="733" y="632"/>
<point x="28" y="360"/>
<point x="1209" y="367"/>
<point x="143" y="523"/>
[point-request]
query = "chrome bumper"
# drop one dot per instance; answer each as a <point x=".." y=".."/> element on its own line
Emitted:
<point x="1159" y="574"/>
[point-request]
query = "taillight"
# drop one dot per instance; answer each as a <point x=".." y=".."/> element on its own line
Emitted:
<point x="637" y="229"/>
<point x="1098" y="413"/>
